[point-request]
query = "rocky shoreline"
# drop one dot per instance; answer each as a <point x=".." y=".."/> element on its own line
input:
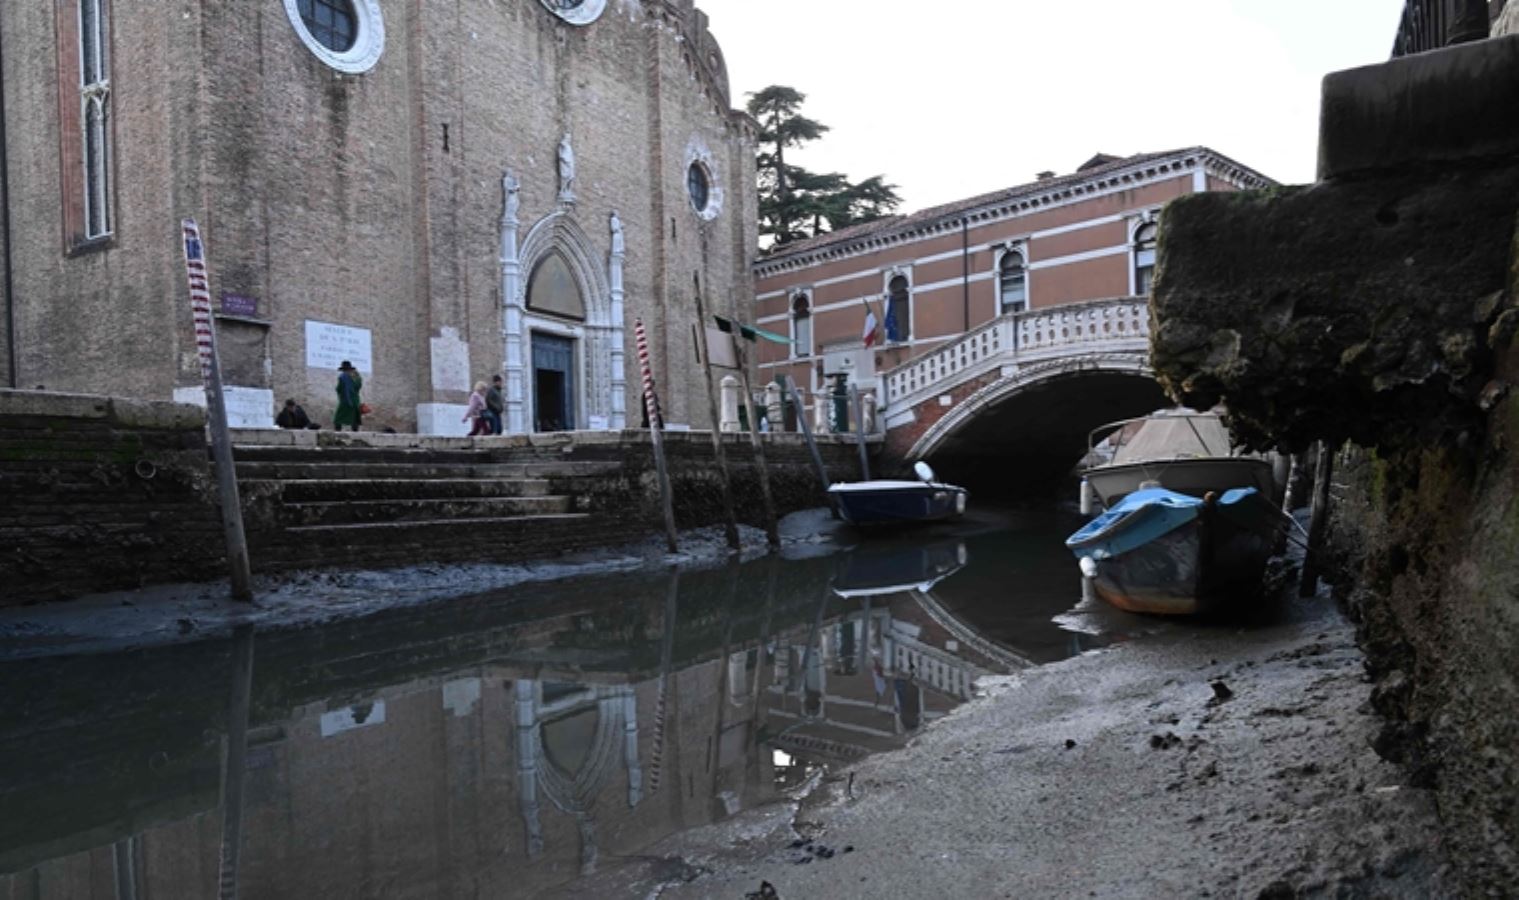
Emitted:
<point x="1209" y="761"/>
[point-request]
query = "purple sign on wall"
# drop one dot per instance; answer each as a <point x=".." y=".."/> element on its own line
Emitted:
<point x="239" y="305"/>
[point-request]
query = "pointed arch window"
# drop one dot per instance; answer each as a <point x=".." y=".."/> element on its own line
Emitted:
<point x="1144" y="258"/>
<point x="801" y="325"/>
<point x="1012" y="282"/>
<point x="85" y="113"/>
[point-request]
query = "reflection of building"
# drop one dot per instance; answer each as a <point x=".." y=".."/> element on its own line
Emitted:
<point x="435" y="192"/>
<point x="521" y="748"/>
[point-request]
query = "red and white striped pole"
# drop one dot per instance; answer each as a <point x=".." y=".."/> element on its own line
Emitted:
<point x="656" y="433"/>
<point x="216" y="410"/>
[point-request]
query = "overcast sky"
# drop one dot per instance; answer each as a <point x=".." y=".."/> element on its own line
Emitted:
<point x="951" y="99"/>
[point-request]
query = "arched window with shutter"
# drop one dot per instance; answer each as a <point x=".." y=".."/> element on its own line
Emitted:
<point x="1012" y="283"/>
<point x="1144" y="258"/>
<point x="801" y="325"/>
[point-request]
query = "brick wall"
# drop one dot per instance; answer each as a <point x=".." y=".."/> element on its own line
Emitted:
<point x="99" y="493"/>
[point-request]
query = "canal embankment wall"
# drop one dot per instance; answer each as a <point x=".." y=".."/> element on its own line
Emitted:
<point x="1375" y="311"/>
<point x="101" y="493"/>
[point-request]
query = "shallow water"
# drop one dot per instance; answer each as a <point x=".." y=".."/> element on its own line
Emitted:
<point x="510" y="743"/>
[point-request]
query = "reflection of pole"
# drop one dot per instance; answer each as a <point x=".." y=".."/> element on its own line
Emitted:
<point x="236" y="759"/>
<point x="812" y="641"/>
<point x="817" y="458"/>
<point x="724" y="677"/>
<point x="656" y="433"/>
<point x="216" y="411"/>
<point x="730" y="522"/>
<point x="666" y="656"/>
<point x="772" y="534"/>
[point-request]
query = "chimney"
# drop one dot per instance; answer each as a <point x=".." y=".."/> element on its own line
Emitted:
<point x="1045" y="176"/>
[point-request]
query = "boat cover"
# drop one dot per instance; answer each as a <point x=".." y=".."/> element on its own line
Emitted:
<point x="1142" y="517"/>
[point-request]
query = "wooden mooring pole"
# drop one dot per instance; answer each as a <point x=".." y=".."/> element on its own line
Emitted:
<point x="1323" y="471"/>
<point x="859" y="430"/>
<point x="772" y="531"/>
<point x="788" y="388"/>
<point x="656" y="435"/>
<point x="730" y="517"/>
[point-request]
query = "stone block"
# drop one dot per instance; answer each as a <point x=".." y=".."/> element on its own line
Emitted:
<point x="52" y="404"/>
<point x="1442" y="106"/>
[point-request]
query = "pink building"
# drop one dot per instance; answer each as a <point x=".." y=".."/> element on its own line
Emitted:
<point x="933" y="277"/>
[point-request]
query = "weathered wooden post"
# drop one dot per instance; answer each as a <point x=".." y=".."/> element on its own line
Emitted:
<point x="817" y="458"/>
<point x="859" y="430"/>
<point x="1323" y="471"/>
<point x="730" y="517"/>
<point x="772" y="532"/>
<point x="216" y="411"/>
<point x="656" y="434"/>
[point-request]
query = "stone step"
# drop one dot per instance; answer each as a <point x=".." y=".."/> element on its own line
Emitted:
<point x="425" y="530"/>
<point x="315" y="490"/>
<point x="387" y="544"/>
<point x="265" y="453"/>
<point x="333" y="471"/>
<point x="421" y="513"/>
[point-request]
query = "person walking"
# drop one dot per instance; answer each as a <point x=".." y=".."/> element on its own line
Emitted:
<point x="350" y="403"/>
<point x="476" y="411"/>
<point x="495" y="404"/>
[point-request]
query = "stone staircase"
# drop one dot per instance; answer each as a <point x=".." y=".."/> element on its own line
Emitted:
<point x="354" y="505"/>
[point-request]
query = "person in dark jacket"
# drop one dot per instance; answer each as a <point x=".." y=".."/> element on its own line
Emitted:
<point x="292" y="416"/>
<point x="495" y="404"/>
<point x="350" y="383"/>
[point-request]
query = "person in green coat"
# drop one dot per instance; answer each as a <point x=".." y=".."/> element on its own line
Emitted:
<point x="350" y="382"/>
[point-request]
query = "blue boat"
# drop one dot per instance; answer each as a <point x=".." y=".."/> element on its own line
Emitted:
<point x="1159" y="551"/>
<point x="883" y="502"/>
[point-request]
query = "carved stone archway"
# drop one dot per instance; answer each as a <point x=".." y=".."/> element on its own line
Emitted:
<point x="599" y="338"/>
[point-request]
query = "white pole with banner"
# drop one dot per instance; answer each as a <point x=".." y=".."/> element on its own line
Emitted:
<point x="216" y="410"/>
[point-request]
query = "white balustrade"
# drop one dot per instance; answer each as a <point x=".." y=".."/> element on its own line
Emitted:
<point x="1095" y="326"/>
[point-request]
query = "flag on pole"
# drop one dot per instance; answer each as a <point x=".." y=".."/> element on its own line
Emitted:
<point x="869" y="335"/>
<point x="893" y="330"/>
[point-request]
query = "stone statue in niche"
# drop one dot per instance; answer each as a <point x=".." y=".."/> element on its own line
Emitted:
<point x="509" y="187"/>
<point x="617" y="243"/>
<point x="566" y="169"/>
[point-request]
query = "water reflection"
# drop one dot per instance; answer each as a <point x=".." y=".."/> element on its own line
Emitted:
<point x="500" y="745"/>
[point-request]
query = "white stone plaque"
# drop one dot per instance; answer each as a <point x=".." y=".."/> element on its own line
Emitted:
<point x="327" y="345"/>
<point x="450" y="362"/>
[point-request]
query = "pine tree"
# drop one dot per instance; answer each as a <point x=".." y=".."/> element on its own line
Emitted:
<point x="793" y="202"/>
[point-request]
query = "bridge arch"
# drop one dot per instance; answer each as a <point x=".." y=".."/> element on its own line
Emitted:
<point x="1008" y="387"/>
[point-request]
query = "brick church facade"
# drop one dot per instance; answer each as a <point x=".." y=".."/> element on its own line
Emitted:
<point x="436" y="192"/>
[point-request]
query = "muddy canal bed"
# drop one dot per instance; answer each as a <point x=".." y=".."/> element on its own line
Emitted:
<point x="812" y="720"/>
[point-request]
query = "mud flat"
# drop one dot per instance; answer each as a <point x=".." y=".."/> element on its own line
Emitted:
<point x="1213" y="761"/>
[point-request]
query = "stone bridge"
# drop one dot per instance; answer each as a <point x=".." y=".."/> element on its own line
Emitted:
<point x="1008" y="406"/>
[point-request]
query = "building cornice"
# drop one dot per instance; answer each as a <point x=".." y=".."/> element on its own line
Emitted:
<point x="1019" y="202"/>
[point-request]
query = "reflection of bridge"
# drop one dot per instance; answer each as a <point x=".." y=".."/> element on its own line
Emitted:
<point x="1023" y="389"/>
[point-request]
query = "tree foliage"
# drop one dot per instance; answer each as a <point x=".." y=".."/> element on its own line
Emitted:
<point x="793" y="202"/>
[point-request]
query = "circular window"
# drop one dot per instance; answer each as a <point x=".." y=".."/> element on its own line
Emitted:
<point x="698" y="186"/>
<point x="346" y="35"/>
<point x="576" y="12"/>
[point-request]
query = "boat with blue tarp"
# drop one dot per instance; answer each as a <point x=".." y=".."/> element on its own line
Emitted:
<point x="1161" y="551"/>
